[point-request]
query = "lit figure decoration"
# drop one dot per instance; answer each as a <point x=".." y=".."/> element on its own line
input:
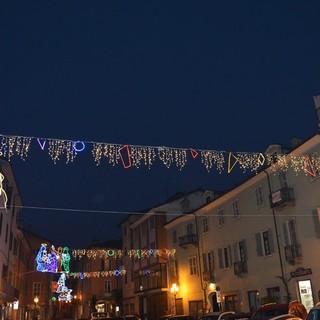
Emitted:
<point x="2" y="192"/>
<point x="64" y="292"/>
<point x="65" y="259"/>
<point x="47" y="262"/>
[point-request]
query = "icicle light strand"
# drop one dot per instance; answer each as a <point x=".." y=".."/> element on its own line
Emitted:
<point x="136" y="156"/>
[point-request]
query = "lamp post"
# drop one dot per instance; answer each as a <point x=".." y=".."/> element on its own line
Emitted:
<point x="35" y="312"/>
<point x="174" y="289"/>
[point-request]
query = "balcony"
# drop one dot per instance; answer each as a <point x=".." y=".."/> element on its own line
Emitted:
<point x="281" y="198"/>
<point x="11" y="292"/>
<point x="293" y="252"/>
<point x="240" y="267"/>
<point x="151" y="278"/>
<point x="189" y="240"/>
<point x="208" y="276"/>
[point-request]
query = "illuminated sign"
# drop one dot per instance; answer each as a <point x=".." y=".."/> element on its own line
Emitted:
<point x="300" y="272"/>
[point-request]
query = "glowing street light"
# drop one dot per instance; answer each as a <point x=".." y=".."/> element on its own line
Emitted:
<point x="174" y="289"/>
<point x="35" y="311"/>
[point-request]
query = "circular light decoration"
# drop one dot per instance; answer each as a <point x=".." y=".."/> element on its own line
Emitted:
<point x="76" y="148"/>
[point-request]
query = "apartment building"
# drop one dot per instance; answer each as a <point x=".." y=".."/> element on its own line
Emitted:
<point x="257" y="242"/>
<point x="98" y="278"/>
<point x="10" y="207"/>
<point x="20" y="282"/>
<point x="146" y="288"/>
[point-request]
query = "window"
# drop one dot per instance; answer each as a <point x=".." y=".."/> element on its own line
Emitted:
<point x="185" y="205"/>
<point x="208" y="261"/>
<point x="144" y="228"/>
<point x="36" y="289"/>
<point x="107" y="286"/>
<point x="221" y="217"/>
<point x="240" y="251"/>
<point x="235" y="207"/>
<point x="7" y="231"/>
<point x="292" y="247"/>
<point x="264" y="241"/>
<point x="208" y="266"/>
<point x="205" y="225"/>
<point x="289" y="228"/>
<point x="152" y="223"/>
<point x="274" y="293"/>
<point x="283" y="180"/>
<point x="189" y="227"/>
<point x="259" y="196"/>
<point x="224" y="254"/>
<point x="173" y="268"/>
<point x="174" y="236"/>
<point x="102" y="267"/>
<point x="193" y="266"/>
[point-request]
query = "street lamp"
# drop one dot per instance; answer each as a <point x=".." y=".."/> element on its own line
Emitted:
<point x="174" y="289"/>
<point x="35" y="300"/>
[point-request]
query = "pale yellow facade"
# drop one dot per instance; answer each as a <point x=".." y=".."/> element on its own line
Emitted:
<point x="255" y="239"/>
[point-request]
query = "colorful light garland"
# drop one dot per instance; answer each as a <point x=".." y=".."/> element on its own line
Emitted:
<point x="96" y="274"/>
<point x="136" y="156"/>
<point x="116" y="253"/>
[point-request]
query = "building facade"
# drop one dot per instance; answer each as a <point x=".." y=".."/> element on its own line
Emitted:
<point x="98" y="279"/>
<point x="150" y="275"/>
<point x="11" y="285"/>
<point x="256" y="243"/>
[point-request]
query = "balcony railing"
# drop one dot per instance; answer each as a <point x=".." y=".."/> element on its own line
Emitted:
<point x="151" y="278"/>
<point x="188" y="240"/>
<point x="293" y="251"/>
<point x="240" y="267"/>
<point x="208" y="276"/>
<point x="282" y="197"/>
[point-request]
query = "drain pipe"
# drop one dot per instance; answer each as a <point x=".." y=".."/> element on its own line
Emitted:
<point x="276" y="229"/>
<point x="203" y="287"/>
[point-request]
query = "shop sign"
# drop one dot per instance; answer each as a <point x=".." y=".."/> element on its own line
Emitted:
<point x="300" y="272"/>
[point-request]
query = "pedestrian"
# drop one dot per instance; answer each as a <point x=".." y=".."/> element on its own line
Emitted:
<point x="298" y="309"/>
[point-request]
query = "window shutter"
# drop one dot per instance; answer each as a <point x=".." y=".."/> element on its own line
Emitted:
<point x="205" y="264"/>
<point x="259" y="244"/>
<point x="285" y="232"/>
<point x="270" y="238"/>
<point x="220" y="255"/>
<point x="236" y="255"/>
<point x="245" y="253"/>
<point x="230" y="257"/>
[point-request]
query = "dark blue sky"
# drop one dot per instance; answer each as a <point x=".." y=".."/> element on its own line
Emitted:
<point x="218" y="75"/>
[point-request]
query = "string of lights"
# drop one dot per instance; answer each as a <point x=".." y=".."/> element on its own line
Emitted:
<point x="138" y="155"/>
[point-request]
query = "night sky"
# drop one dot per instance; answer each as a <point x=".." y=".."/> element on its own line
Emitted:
<point x="214" y="75"/>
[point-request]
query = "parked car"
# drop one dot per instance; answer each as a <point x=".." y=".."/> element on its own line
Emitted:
<point x="270" y="310"/>
<point x="131" y="317"/>
<point x="99" y="316"/>
<point x="286" y="317"/>
<point x="177" y="317"/>
<point x="218" y="315"/>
